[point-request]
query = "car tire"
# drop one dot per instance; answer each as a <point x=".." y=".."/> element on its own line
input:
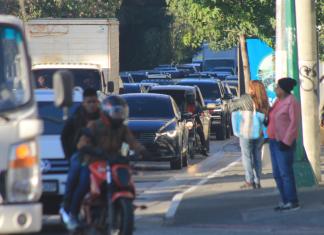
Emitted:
<point x="221" y="132"/>
<point x="185" y="160"/>
<point x="176" y="163"/>
<point x="208" y="145"/>
<point x="228" y="131"/>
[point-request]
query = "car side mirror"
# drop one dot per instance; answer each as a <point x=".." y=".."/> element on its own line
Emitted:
<point x="228" y="96"/>
<point x="63" y="88"/>
<point x="111" y="86"/>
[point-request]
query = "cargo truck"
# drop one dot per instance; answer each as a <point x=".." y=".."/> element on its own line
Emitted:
<point x="89" y="48"/>
<point x="20" y="176"/>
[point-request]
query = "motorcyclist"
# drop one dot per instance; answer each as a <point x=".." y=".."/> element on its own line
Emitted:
<point x="108" y="133"/>
<point x="195" y="108"/>
<point x="87" y="111"/>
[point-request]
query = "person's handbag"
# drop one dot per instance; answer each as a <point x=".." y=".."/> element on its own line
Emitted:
<point x="247" y="124"/>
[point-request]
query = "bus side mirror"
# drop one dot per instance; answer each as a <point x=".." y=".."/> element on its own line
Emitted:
<point x="63" y="88"/>
<point x="111" y="87"/>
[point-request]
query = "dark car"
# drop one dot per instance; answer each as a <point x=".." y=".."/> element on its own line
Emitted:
<point x="126" y="77"/>
<point x="183" y="96"/>
<point x="132" y="88"/>
<point x="217" y="103"/>
<point x="156" y="122"/>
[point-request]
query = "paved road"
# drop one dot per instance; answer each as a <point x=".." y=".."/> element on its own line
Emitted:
<point x="156" y="185"/>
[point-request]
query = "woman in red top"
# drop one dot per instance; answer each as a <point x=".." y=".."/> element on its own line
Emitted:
<point x="283" y="132"/>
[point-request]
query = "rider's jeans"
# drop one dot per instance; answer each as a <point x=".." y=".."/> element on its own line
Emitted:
<point x="77" y="185"/>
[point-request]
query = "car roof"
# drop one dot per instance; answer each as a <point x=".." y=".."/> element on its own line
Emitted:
<point x="147" y="95"/>
<point x="173" y="87"/>
<point x="132" y="84"/>
<point x="199" y="81"/>
<point x="43" y="95"/>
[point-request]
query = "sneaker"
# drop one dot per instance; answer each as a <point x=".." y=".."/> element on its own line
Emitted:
<point x="72" y="223"/>
<point x="290" y="207"/>
<point x="247" y="185"/>
<point x="279" y="207"/>
<point x="64" y="215"/>
<point x="258" y="186"/>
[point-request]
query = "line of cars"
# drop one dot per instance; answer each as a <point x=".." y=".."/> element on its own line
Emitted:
<point x="160" y="119"/>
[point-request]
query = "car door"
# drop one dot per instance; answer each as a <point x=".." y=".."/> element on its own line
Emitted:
<point x="205" y="117"/>
<point x="184" y="132"/>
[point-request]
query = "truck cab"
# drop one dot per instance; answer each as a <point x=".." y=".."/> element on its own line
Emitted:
<point x="20" y="179"/>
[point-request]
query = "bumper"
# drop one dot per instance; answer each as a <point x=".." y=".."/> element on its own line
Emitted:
<point x="163" y="149"/>
<point x="20" y="218"/>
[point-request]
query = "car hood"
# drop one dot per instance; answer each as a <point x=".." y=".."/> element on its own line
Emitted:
<point x="213" y="101"/>
<point x="149" y="125"/>
<point x="50" y="147"/>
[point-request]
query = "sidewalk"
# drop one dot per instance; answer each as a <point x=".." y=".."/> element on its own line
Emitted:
<point x="221" y="204"/>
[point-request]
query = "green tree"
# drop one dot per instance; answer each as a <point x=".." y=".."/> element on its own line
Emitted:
<point x="220" y="22"/>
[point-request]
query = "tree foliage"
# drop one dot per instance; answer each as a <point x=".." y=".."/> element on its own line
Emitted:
<point x="62" y="8"/>
<point x="220" y="22"/>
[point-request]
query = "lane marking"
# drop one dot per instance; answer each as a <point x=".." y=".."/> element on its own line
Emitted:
<point x="176" y="200"/>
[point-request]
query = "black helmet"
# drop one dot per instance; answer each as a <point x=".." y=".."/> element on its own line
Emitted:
<point x="115" y="108"/>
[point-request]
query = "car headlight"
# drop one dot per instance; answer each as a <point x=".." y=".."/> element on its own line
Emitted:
<point x="24" y="177"/>
<point x="189" y="125"/>
<point x="170" y="134"/>
<point x="218" y="110"/>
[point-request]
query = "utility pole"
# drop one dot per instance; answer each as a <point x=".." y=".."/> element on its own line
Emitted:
<point x="307" y="57"/>
<point x="303" y="171"/>
<point x="281" y="53"/>
<point x="245" y="60"/>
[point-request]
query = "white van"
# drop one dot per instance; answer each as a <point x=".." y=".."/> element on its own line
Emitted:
<point x="54" y="166"/>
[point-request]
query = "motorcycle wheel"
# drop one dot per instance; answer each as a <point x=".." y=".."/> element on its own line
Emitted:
<point x="123" y="217"/>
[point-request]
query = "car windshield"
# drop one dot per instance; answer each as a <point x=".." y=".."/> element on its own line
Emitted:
<point x="146" y="107"/>
<point x="84" y="78"/>
<point x="208" y="90"/>
<point x="52" y="117"/>
<point x="15" y="86"/>
<point x="177" y="95"/>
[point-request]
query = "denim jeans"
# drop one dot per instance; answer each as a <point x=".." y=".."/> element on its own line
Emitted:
<point x="77" y="185"/>
<point x="283" y="173"/>
<point x="251" y="158"/>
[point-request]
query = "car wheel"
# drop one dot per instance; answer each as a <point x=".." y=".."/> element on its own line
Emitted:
<point x="176" y="163"/>
<point x="185" y="160"/>
<point x="228" y="131"/>
<point x="221" y="132"/>
<point x="208" y="145"/>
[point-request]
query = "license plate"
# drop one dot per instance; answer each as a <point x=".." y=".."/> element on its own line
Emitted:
<point x="50" y="187"/>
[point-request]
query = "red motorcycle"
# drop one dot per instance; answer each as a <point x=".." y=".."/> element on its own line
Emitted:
<point x="108" y="207"/>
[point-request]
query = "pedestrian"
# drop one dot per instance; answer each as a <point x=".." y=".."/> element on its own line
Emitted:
<point x="283" y="131"/>
<point x="255" y="101"/>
